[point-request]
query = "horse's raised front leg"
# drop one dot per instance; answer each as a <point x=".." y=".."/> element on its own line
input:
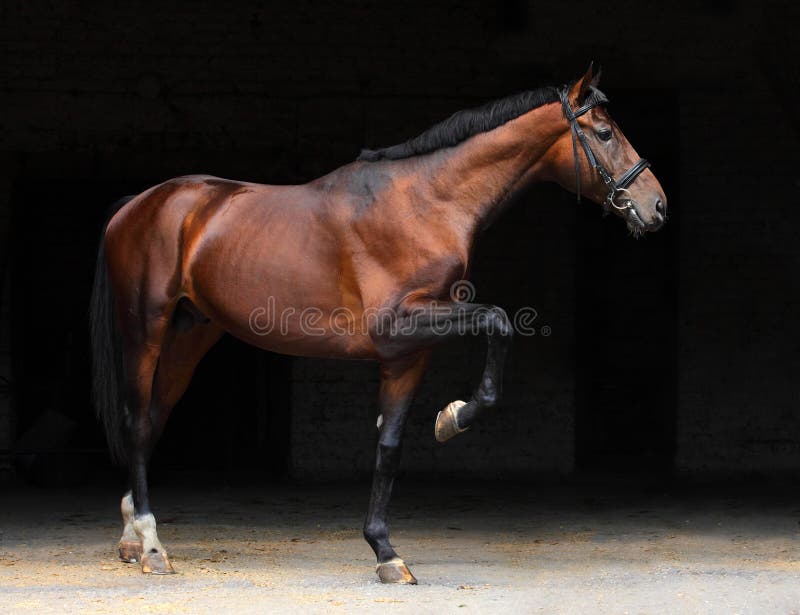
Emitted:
<point x="399" y="381"/>
<point x="458" y="416"/>
<point x="425" y="324"/>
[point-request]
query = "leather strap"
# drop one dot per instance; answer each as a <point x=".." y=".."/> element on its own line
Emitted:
<point x="628" y="177"/>
<point x="631" y="174"/>
<point x="576" y="158"/>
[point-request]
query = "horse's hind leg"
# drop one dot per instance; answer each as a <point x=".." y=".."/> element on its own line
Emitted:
<point x="399" y="381"/>
<point x="130" y="547"/>
<point x="185" y="342"/>
<point x="142" y="350"/>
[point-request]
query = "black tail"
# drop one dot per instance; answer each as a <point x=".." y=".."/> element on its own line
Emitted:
<point x="107" y="369"/>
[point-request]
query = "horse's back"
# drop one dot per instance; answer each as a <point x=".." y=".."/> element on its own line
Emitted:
<point x="175" y="207"/>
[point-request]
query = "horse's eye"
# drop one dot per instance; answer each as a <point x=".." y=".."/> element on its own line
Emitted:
<point x="604" y="135"/>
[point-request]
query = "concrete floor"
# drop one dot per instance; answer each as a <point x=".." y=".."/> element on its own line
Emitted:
<point x="480" y="549"/>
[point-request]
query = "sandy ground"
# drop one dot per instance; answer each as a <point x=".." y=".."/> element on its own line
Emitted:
<point x="487" y="549"/>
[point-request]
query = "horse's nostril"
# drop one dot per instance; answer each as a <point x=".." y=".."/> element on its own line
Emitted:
<point x="660" y="207"/>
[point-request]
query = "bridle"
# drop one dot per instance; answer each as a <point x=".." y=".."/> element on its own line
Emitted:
<point x="616" y="188"/>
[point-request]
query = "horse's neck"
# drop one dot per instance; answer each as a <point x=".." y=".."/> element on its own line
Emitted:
<point x="477" y="177"/>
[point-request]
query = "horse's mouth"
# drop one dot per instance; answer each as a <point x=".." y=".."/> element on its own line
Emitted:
<point x="636" y="225"/>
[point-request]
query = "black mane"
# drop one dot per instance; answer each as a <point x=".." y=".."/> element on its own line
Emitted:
<point x="464" y="124"/>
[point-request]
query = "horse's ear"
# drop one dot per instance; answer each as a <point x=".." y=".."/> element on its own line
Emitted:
<point x="581" y="87"/>
<point x="598" y="70"/>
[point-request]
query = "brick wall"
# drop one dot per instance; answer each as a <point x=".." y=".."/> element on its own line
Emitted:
<point x="284" y="94"/>
<point x="738" y="395"/>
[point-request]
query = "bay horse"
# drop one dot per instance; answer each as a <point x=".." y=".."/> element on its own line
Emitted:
<point x="195" y="257"/>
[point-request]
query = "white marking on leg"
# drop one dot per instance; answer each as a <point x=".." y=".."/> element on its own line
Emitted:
<point x="145" y="527"/>
<point x="380" y="421"/>
<point x="126" y="507"/>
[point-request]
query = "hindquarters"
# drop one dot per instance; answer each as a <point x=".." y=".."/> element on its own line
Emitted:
<point x="136" y="309"/>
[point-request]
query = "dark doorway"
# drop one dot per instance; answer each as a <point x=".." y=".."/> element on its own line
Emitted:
<point x="627" y="312"/>
<point x="234" y="418"/>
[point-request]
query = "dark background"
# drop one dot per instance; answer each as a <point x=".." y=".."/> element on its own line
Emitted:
<point x="674" y="356"/>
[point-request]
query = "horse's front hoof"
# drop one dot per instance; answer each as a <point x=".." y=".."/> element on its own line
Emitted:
<point x="395" y="571"/>
<point x="447" y="422"/>
<point x="156" y="563"/>
<point x="130" y="551"/>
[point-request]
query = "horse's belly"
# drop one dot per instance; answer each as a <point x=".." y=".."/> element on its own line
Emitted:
<point x="307" y="331"/>
<point x="296" y="316"/>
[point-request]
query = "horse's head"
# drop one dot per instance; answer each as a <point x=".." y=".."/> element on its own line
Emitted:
<point x="594" y="159"/>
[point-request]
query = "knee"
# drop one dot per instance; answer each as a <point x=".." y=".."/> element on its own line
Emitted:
<point x="500" y="323"/>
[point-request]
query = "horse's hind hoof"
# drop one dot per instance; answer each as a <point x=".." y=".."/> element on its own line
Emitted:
<point x="395" y="571"/>
<point x="130" y="551"/>
<point x="156" y="563"/>
<point x="447" y="422"/>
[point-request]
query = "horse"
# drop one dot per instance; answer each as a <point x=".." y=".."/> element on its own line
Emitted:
<point x="387" y="235"/>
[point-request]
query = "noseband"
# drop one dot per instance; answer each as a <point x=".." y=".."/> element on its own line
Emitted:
<point x="616" y="188"/>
